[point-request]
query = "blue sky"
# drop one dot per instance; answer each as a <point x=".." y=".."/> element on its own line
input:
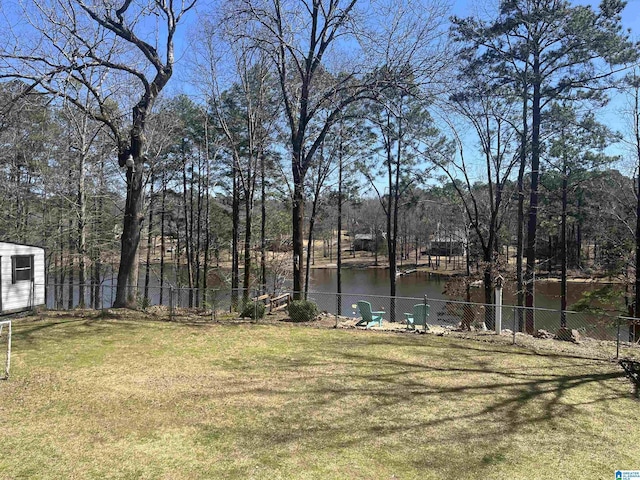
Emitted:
<point x="630" y="17"/>
<point x="610" y="115"/>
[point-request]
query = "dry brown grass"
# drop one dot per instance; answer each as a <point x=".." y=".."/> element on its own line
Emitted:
<point x="133" y="398"/>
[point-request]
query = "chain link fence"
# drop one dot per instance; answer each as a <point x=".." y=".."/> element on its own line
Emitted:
<point x="607" y="334"/>
<point x="161" y="301"/>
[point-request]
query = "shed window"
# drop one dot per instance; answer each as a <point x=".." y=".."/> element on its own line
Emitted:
<point x="21" y="268"/>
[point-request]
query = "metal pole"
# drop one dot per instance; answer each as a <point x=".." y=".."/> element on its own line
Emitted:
<point x="515" y="314"/>
<point x="618" y="340"/>
<point x="171" y="303"/>
<point x="102" y="298"/>
<point x="210" y="302"/>
<point x="498" y="302"/>
<point x="255" y="307"/>
<point x="6" y="373"/>
<point x="425" y="312"/>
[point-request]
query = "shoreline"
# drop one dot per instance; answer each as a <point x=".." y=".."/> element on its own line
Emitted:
<point x="421" y="268"/>
<point x="368" y="263"/>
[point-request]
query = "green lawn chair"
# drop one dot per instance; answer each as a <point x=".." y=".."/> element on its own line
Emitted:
<point x="369" y="318"/>
<point x="418" y="317"/>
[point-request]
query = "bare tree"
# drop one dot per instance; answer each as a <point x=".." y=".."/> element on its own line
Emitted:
<point x="299" y="37"/>
<point x="546" y="50"/>
<point x="632" y="82"/>
<point x="67" y="40"/>
<point x="406" y="132"/>
<point x="83" y="135"/>
<point x="484" y="199"/>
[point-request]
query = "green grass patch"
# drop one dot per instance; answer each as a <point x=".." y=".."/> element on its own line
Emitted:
<point x="142" y="399"/>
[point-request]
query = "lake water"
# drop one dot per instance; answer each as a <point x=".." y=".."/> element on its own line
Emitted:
<point x="372" y="284"/>
<point x="376" y="282"/>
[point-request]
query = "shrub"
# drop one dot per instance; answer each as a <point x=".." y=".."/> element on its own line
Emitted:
<point x="253" y="310"/>
<point x="143" y="302"/>
<point x="303" y="310"/>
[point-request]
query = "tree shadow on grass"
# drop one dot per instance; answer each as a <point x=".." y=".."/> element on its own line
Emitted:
<point x="29" y="335"/>
<point x="369" y="400"/>
<point x="500" y="401"/>
<point x="332" y="392"/>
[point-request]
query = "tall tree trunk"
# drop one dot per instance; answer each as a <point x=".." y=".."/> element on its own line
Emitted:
<point x="246" y="278"/>
<point x="467" y="309"/>
<point x="579" y="236"/>
<point x="520" y="215"/>
<point x="176" y="262"/>
<point x="533" y="198"/>
<point x="298" y="226"/>
<point x="394" y="193"/>
<point x="191" y="244"/>
<point x="97" y="272"/>
<point x="339" y="241"/>
<point x="198" y="255"/>
<point x="636" y="128"/>
<point x="263" y="229"/>
<point x="57" y="259"/>
<point x="188" y="227"/>
<point x="147" y="274"/>
<point x="71" y="249"/>
<point x="60" y="278"/>
<point x="163" y="247"/>
<point x="133" y="217"/>
<point x="563" y="248"/>
<point x="235" y="235"/>
<point x="98" y="297"/>
<point x="82" y="229"/>
<point x="96" y="250"/>
<point x="207" y="223"/>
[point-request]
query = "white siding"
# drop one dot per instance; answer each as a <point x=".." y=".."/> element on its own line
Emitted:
<point x="23" y="294"/>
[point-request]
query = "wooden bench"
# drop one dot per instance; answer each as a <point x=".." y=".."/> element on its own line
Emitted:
<point x="262" y="298"/>
<point x="279" y="303"/>
<point x="274" y="304"/>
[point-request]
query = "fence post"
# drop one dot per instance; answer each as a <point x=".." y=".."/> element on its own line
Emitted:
<point x="618" y="339"/>
<point x="498" y="302"/>
<point x="255" y="307"/>
<point x="424" y="300"/>
<point x="515" y="319"/>
<point x="171" y="302"/>
<point x="8" y="353"/>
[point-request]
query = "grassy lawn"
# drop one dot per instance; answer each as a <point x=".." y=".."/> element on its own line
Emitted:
<point x="142" y="399"/>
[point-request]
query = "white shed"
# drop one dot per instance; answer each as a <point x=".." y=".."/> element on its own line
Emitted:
<point x="22" y="277"/>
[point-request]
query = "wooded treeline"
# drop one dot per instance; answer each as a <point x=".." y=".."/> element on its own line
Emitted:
<point x="407" y="129"/>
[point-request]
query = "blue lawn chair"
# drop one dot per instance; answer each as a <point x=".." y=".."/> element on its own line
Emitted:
<point x="369" y="318"/>
<point x="418" y="317"/>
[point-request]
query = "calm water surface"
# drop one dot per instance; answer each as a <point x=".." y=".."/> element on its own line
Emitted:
<point x="417" y="284"/>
